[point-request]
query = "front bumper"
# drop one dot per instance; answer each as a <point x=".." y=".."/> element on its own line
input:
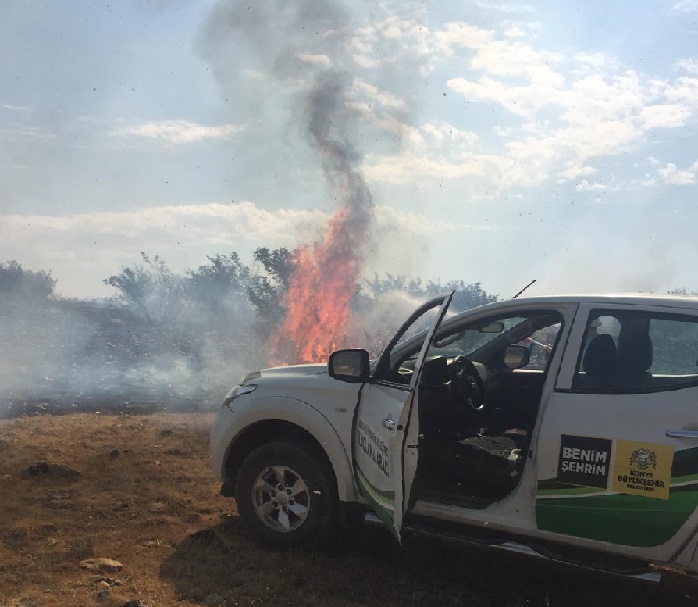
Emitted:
<point x="219" y="441"/>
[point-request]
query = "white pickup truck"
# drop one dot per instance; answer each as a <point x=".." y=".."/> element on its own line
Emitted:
<point x="565" y="427"/>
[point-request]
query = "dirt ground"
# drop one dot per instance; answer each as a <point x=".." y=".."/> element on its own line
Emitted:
<point x="145" y="497"/>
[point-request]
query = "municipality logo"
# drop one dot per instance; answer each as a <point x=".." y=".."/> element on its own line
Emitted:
<point x="643" y="458"/>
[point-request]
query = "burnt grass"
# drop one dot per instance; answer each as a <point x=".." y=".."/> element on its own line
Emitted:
<point x="145" y="496"/>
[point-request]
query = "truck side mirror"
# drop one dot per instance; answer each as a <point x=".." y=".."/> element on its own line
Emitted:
<point x="349" y="365"/>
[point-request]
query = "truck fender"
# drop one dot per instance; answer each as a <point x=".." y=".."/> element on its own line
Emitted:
<point x="308" y="418"/>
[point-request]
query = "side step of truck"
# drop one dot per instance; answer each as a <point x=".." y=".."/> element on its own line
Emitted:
<point x="370" y="518"/>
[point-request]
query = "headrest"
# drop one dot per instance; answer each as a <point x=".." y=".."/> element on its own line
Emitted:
<point x="635" y="354"/>
<point x="434" y="371"/>
<point x="600" y="358"/>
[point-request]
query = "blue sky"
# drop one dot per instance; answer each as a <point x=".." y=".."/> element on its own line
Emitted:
<point x="501" y="142"/>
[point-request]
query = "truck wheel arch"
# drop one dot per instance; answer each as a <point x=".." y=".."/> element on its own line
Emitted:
<point x="318" y="434"/>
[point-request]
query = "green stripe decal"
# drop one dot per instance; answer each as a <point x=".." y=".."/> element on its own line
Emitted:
<point x="685" y="462"/>
<point x="382" y="502"/>
<point x="384" y="497"/>
<point x="569" y="490"/>
<point x="631" y="520"/>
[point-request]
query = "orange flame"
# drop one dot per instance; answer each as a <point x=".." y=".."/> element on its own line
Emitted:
<point x="324" y="275"/>
<point x="320" y="290"/>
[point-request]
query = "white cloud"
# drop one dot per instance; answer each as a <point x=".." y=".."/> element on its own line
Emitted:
<point x="534" y="159"/>
<point x="602" y="111"/>
<point x="396" y="38"/>
<point x="686" y="6"/>
<point x="213" y="222"/>
<point x="519" y="60"/>
<point x="26" y="132"/>
<point x="82" y="249"/>
<point x="364" y="61"/>
<point x="409" y="135"/>
<point x="382" y="97"/>
<point x="595" y="61"/>
<point x="597" y="113"/>
<point x="514" y="31"/>
<point x="16" y="108"/>
<point x="443" y="133"/>
<point x="566" y="109"/>
<point x="615" y="96"/>
<point x="585" y="186"/>
<point x="683" y="91"/>
<point x="321" y="60"/>
<point x="523" y="101"/>
<point x="254" y="75"/>
<point x="689" y="65"/>
<point x="457" y="35"/>
<point x="504" y="7"/>
<point x="437" y="150"/>
<point x="575" y="171"/>
<point x="415" y="223"/>
<point x="663" y="115"/>
<point x="672" y="175"/>
<point x="179" y="131"/>
<point x="408" y="167"/>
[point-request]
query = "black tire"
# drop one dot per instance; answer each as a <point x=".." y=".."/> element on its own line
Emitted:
<point x="272" y="519"/>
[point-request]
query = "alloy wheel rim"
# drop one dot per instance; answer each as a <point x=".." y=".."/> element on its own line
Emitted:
<point x="281" y="498"/>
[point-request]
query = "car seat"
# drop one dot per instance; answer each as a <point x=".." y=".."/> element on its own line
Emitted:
<point x="487" y="462"/>
<point x="599" y="364"/>
<point x="635" y="354"/>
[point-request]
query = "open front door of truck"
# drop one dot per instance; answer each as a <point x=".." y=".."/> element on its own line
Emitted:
<point x="386" y="426"/>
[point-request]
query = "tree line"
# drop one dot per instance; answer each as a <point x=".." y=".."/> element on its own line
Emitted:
<point x="152" y="290"/>
<point x="169" y="336"/>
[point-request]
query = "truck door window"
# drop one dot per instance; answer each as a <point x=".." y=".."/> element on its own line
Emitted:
<point x="633" y="351"/>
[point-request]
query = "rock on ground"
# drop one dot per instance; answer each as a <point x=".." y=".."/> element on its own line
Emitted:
<point x="102" y="564"/>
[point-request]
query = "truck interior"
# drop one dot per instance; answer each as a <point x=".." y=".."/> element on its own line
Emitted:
<point x="479" y="395"/>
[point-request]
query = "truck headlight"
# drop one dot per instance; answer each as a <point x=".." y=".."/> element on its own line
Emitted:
<point x="250" y="377"/>
<point x="238" y="391"/>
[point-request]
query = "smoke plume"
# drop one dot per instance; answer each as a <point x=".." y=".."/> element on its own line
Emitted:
<point x="303" y="46"/>
<point x="63" y="356"/>
<point x="326" y="273"/>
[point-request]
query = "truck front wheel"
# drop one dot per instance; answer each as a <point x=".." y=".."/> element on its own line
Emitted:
<point x="285" y="494"/>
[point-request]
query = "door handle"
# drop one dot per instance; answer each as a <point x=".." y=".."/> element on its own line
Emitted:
<point x="682" y="433"/>
<point x="389" y="423"/>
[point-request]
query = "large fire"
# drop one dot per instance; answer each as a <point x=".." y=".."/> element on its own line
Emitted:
<point x="325" y="274"/>
<point x="320" y="290"/>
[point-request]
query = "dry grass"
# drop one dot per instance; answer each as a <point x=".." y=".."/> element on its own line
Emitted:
<point x="155" y="508"/>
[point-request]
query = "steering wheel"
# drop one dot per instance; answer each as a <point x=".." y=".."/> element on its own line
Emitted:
<point x="467" y="383"/>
